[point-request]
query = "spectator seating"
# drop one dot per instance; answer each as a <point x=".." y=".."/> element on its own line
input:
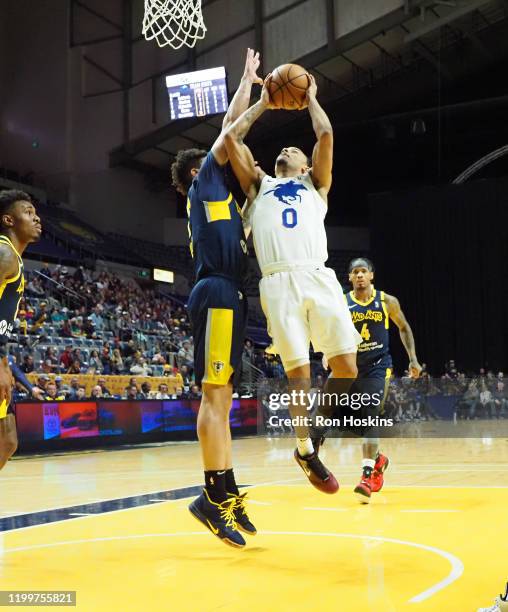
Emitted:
<point x="115" y="384"/>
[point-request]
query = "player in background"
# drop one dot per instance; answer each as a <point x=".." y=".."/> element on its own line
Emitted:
<point x="371" y="311"/>
<point x="19" y="227"/>
<point x="217" y="309"/>
<point x="301" y="297"/>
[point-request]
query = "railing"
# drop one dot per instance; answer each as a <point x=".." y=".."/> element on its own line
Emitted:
<point x="68" y="295"/>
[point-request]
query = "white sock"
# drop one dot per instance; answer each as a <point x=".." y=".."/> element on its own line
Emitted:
<point x="305" y="446"/>
<point x="368" y="463"/>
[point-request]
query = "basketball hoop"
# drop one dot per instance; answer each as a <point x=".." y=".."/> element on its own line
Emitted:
<point x="173" y="22"/>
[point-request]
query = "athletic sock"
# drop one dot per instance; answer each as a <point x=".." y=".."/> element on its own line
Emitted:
<point x="305" y="446"/>
<point x="231" y="486"/>
<point x="215" y="484"/>
<point x="368" y="467"/>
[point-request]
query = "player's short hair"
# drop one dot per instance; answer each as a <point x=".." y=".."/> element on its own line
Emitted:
<point x="186" y="159"/>
<point x="361" y="262"/>
<point x="8" y="197"/>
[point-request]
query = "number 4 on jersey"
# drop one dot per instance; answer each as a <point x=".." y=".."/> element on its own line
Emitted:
<point x="365" y="333"/>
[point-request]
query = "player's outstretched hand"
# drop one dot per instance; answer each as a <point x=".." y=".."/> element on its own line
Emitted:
<point x="265" y="98"/>
<point x="37" y="393"/>
<point x="311" y="92"/>
<point x="414" y="369"/>
<point x="252" y="62"/>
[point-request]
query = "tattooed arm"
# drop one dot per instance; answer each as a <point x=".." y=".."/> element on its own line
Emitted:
<point x="248" y="174"/>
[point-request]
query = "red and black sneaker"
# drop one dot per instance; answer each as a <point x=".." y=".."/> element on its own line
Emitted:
<point x="377" y="478"/>
<point x="363" y="489"/>
<point x="318" y="475"/>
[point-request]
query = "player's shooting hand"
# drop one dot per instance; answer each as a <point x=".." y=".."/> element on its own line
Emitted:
<point x="6" y="382"/>
<point x="252" y="63"/>
<point x="414" y="369"/>
<point x="265" y="98"/>
<point x="311" y="91"/>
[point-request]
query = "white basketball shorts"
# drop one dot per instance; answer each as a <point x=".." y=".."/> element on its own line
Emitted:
<point x="303" y="306"/>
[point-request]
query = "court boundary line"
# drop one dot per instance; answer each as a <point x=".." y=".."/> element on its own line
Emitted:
<point x="283" y="483"/>
<point x="455" y="573"/>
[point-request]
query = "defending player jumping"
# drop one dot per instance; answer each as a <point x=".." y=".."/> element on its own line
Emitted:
<point x="301" y="297"/>
<point x="218" y="313"/>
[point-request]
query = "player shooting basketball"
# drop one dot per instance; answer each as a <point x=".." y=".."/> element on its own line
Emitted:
<point x="301" y="297"/>
<point x="19" y="226"/>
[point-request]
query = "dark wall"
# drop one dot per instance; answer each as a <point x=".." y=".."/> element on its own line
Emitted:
<point x="443" y="252"/>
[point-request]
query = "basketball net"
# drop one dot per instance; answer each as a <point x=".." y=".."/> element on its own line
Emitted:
<point x="173" y="22"/>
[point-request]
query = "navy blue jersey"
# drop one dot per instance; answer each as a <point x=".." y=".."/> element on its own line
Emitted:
<point x="218" y="243"/>
<point x="11" y="292"/>
<point x="372" y="323"/>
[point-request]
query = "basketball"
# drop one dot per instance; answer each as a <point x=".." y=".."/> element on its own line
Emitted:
<point x="288" y="86"/>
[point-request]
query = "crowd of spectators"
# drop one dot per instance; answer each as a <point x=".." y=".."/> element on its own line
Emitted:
<point x="132" y="329"/>
<point x="136" y="331"/>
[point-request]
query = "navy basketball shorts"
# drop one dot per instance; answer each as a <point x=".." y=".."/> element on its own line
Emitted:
<point x="218" y="315"/>
<point x="367" y="394"/>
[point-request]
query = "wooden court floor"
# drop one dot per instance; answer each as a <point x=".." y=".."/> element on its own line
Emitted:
<point x="434" y="539"/>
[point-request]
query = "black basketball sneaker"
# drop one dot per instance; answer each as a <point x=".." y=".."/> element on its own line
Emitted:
<point x="242" y="519"/>
<point x="218" y="518"/>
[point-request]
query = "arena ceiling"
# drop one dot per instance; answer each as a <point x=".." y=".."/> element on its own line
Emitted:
<point x="370" y="67"/>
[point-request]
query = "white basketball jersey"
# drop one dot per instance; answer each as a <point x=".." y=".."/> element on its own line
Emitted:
<point x="287" y="220"/>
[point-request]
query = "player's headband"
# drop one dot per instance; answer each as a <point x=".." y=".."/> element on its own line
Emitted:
<point x="361" y="262"/>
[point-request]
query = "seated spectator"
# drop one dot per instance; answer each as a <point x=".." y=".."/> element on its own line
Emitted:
<point x="58" y="383"/>
<point x="178" y="394"/>
<point x="22" y="323"/>
<point x="75" y="367"/>
<point x="42" y="381"/>
<point x="47" y="368"/>
<point x="94" y="361"/>
<point x="96" y="392"/>
<point x="132" y="393"/>
<point x="195" y="393"/>
<point x="102" y="384"/>
<point x="66" y="330"/>
<point x="52" y="358"/>
<point x="500" y="398"/>
<point x="186" y="355"/>
<point x="107" y="367"/>
<point x="40" y="317"/>
<point x="486" y="404"/>
<point x="140" y="367"/>
<point x="117" y="362"/>
<point x="97" y="320"/>
<point x="66" y="357"/>
<point x="28" y="364"/>
<point x="80" y="394"/>
<point x="73" y="388"/>
<point x="162" y="392"/>
<point x="52" y="394"/>
<point x="146" y="388"/>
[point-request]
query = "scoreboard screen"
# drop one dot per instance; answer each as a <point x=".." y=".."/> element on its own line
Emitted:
<point x="198" y="93"/>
